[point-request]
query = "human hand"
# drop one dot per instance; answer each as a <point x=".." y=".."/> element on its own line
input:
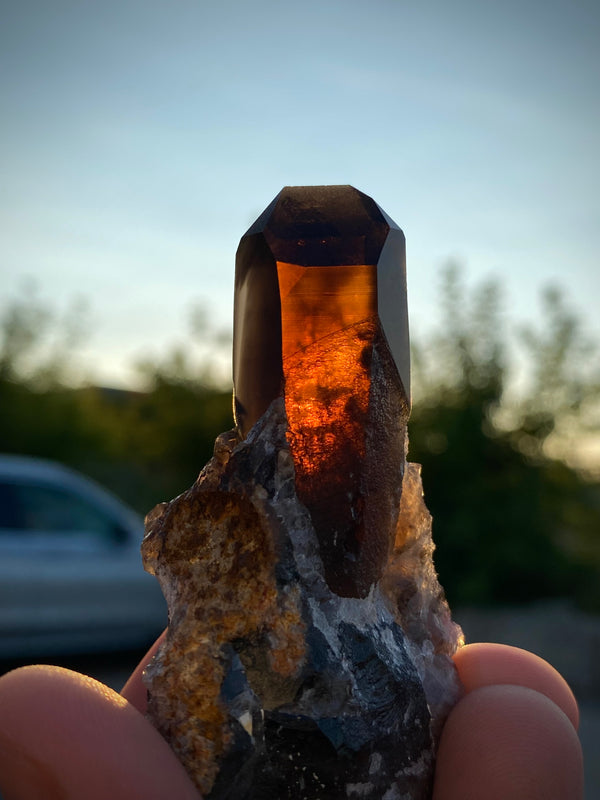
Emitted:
<point x="65" y="736"/>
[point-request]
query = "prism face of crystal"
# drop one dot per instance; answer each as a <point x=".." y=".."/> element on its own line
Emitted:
<point x="320" y="306"/>
<point x="317" y="302"/>
<point x="391" y="302"/>
<point x="343" y="426"/>
<point x="257" y="363"/>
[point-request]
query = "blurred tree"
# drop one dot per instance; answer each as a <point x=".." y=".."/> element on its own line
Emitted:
<point x="147" y="446"/>
<point x="36" y="343"/>
<point x="563" y="386"/>
<point x="510" y="523"/>
<point x="39" y="415"/>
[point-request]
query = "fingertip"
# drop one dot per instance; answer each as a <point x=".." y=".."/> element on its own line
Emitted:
<point x="508" y="741"/>
<point x="67" y="736"/>
<point x="134" y="690"/>
<point x="487" y="664"/>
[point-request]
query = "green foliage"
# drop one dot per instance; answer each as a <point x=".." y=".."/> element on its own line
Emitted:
<point x="155" y="442"/>
<point x="35" y="343"/>
<point x="510" y="523"/>
<point x="146" y="446"/>
<point x="564" y="379"/>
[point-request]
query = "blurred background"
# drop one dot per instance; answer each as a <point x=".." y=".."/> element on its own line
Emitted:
<point x="141" y="139"/>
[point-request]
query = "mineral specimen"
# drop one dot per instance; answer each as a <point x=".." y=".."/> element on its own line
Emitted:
<point x="309" y="646"/>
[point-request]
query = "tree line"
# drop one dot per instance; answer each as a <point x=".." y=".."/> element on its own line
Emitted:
<point x="515" y="520"/>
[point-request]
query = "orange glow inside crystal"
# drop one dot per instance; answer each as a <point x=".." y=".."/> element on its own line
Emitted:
<point x="318" y="301"/>
<point x="327" y="401"/>
<point x="329" y="320"/>
<point x="326" y="322"/>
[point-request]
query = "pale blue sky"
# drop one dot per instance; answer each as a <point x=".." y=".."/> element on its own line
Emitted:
<point x="140" y="139"/>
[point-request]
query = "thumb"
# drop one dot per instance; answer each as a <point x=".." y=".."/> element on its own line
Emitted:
<point x="508" y="742"/>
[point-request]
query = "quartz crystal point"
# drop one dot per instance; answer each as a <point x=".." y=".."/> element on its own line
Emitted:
<point x="320" y="318"/>
<point x="309" y="646"/>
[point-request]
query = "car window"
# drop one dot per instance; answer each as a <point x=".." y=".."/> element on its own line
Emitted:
<point x="9" y="512"/>
<point x="39" y="508"/>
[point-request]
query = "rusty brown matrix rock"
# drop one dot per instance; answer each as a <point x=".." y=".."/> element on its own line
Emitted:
<point x="309" y="646"/>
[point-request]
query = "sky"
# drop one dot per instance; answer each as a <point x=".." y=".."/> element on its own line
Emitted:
<point x="141" y="138"/>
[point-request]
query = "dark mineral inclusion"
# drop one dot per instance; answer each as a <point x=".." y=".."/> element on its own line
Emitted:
<point x="309" y="646"/>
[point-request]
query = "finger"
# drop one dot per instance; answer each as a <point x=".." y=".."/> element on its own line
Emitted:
<point x="134" y="690"/>
<point x="488" y="664"/>
<point x="67" y="736"/>
<point x="508" y="742"/>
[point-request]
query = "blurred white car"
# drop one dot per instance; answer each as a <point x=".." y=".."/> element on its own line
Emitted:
<point x="71" y="575"/>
